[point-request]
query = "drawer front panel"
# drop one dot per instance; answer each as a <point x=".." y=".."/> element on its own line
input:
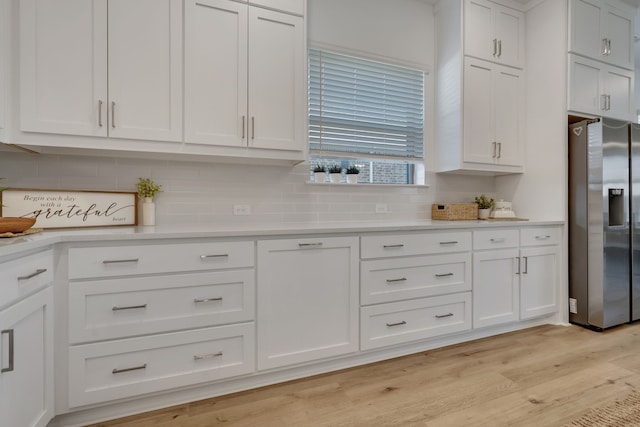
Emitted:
<point x="131" y="260"/>
<point x="390" y="280"/>
<point x="495" y="239"/>
<point x="25" y="275"/>
<point x="396" y="245"/>
<point x="118" y="369"/>
<point x="539" y="236"/>
<point x="115" y="308"/>
<point x="401" y="322"/>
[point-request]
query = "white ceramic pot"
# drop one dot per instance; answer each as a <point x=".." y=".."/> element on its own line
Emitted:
<point x="484" y="213"/>
<point x="352" y="178"/>
<point x="335" y="177"/>
<point x="320" y="176"/>
<point x="148" y="211"/>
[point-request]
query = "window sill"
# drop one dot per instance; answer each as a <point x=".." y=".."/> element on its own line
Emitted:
<point x="363" y="184"/>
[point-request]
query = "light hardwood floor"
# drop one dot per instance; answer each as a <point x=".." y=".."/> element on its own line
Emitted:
<point x="543" y="377"/>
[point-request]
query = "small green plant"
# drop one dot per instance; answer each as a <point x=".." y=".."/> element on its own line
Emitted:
<point x="353" y="170"/>
<point x="147" y="188"/>
<point x="319" y="168"/>
<point x="484" y="202"/>
<point x="335" y="169"/>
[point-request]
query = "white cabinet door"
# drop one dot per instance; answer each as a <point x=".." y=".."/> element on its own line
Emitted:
<point x="26" y="361"/>
<point x="601" y="31"/>
<point x="216" y="72"/>
<point x="509" y="115"/>
<point x="600" y="89"/>
<point x="63" y="67"/>
<point x="291" y="6"/>
<point x="145" y="69"/>
<point x="496" y="293"/>
<point x="539" y="280"/>
<point x="493" y="32"/>
<point x="277" y="81"/>
<point x="307" y="299"/>
<point x="478" y="112"/>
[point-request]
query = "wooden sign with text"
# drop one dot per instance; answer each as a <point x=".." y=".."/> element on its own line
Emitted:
<point x="64" y="209"/>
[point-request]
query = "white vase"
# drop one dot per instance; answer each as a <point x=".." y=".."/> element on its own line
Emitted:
<point x="484" y="213"/>
<point x="320" y="176"/>
<point x="148" y="211"/>
<point x="352" y="178"/>
<point x="335" y="177"/>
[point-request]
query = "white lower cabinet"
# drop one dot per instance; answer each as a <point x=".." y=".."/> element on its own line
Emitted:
<point x="26" y="361"/>
<point x="307" y="299"/>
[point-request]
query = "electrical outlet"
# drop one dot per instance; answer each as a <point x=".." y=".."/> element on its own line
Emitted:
<point x="241" y="209"/>
<point x="382" y="208"/>
<point x="573" y="305"/>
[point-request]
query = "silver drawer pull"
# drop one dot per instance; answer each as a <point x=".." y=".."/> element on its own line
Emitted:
<point x="34" y="274"/>
<point x="440" y="316"/>
<point x="9" y="368"/>
<point x="134" y="368"/>
<point x="207" y="356"/>
<point x="393" y="246"/>
<point x="444" y="275"/>
<point x="498" y="240"/>
<point x="197" y="300"/>
<point x="214" y="256"/>
<point x="309" y="245"/>
<point x="402" y="279"/>
<point x="131" y="307"/>
<point x="543" y="237"/>
<point x="396" y="324"/>
<point x="453" y="242"/>
<point x="119" y="261"/>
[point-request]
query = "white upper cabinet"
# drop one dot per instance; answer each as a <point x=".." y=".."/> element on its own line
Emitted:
<point x="493" y="32"/>
<point x="245" y="76"/>
<point x="290" y="6"/>
<point x="102" y="68"/>
<point x="602" y="31"/>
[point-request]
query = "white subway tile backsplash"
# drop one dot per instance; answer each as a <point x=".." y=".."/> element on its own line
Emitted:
<point x="204" y="193"/>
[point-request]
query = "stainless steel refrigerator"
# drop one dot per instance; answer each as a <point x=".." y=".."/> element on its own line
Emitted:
<point x="604" y="211"/>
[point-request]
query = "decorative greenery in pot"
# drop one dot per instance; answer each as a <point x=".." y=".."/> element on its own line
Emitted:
<point x="352" y="174"/>
<point x="147" y="189"/>
<point x="484" y="206"/>
<point x="319" y="172"/>
<point x="335" y="172"/>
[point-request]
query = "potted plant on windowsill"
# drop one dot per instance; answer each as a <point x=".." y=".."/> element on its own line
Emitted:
<point x="147" y="190"/>
<point x="14" y="224"/>
<point x="352" y="174"/>
<point x="319" y="173"/>
<point x="484" y="206"/>
<point x="335" y="173"/>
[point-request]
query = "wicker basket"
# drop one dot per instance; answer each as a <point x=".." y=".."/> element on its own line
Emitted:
<point x="454" y="211"/>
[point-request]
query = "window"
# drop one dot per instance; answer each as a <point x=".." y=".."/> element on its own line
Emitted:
<point x="366" y="111"/>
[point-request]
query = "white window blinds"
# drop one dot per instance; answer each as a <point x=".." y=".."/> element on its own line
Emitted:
<point x="364" y="107"/>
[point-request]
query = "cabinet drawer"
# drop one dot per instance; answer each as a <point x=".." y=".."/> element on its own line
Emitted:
<point x="118" y="369"/>
<point x="495" y="239"/>
<point x="115" y="308"/>
<point x="110" y="261"/>
<point x="396" y="279"/>
<point x="540" y="236"/>
<point x="401" y="322"/>
<point x="25" y="275"/>
<point x="393" y="245"/>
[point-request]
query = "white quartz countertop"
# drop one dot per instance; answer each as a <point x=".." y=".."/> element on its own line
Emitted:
<point x="12" y="245"/>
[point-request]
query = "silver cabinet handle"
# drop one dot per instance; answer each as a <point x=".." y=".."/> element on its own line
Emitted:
<point x="608" y="102"/>
<point x="208" y="356"/>
<point x="119" y="261"/>
<point x="499" y="149"/>
<point x="396" y="324"/>
<point x="495" y="47"/>
<point x="197" y="300"/>
<point x="134" y="368"/>
<point x="603" y="51"/>
<point x="214" y="256"/>
<point x="32" y="275"/>
<point x="403" y="279"/>
<point x="309" y="245"/>
<point x="526" y="265"/>
<point x="9" y="333"/>
<point x="242" y="127"/>
<point x="494" y="143"/>
<point x="603" y="102"/>
<point x="497" y="240"/>
<point x="253" y="127"/>
<point x="113" y="114"/>
<point x="608" y="46"/>
<point x="129" y="307"/>
<point x="393" y="246"/>
<point x="450" y="242"/>
<point x="100" y="113"/>
<point x="444" y="275"/>
<point x="499" y="48"/>
<point x="441" y="316"/>
<point x="543" y="237"/>
<point x="518" y="264"/>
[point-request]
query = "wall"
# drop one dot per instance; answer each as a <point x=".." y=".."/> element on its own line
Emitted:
<point x="204" y="193"/>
